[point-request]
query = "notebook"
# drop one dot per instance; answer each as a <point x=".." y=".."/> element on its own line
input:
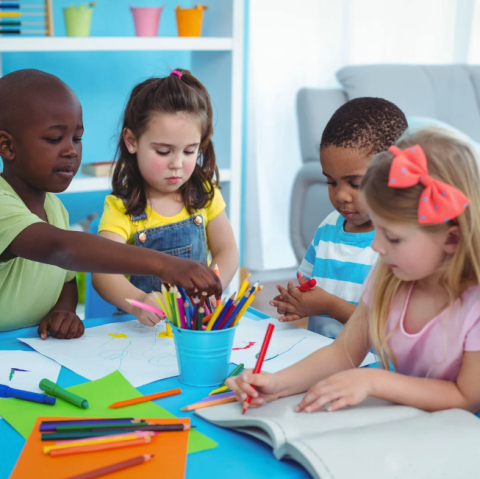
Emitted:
<point x="374" y="440"/>
<point x="169" y="448"/>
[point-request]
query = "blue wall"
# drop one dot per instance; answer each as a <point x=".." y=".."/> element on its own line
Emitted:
<point x="103" y="80"/>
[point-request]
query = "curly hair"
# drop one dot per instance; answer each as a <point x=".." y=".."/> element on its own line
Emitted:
<point x="167" y="95"/>
<point x="367" y="124"/>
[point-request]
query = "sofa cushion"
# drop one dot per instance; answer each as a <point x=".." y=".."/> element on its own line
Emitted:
<point x="445" y="92"/>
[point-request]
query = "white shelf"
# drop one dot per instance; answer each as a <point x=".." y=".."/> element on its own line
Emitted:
<point x="84" y="183"/>
<point x="63" y="44"/>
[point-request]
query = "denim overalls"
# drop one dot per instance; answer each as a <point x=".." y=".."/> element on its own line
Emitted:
<point x="185" y="239"/>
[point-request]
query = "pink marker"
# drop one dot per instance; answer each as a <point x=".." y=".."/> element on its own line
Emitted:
<point x="146" y="307"/>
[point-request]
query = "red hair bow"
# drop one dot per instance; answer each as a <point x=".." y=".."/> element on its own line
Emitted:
<point x="439" y="202"/>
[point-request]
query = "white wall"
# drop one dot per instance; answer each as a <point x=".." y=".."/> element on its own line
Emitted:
<point x="302" y="44"/>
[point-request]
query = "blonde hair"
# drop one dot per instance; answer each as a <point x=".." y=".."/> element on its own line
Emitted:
<point x="451" y="160"/>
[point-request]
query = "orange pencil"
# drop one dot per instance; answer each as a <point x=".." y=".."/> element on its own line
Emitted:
<point x="150" y="397"/>
<point x="68" y="451"/>
<point x="215" y="402"/>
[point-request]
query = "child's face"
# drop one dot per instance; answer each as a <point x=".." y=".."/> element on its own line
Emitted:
<point x="344" y="169"/>
<point x="46" y="148"/>
<point x="412" y="252"/>
<point x="167" y="151"/>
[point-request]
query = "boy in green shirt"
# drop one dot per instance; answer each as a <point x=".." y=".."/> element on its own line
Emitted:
<point x="41" y="130"/>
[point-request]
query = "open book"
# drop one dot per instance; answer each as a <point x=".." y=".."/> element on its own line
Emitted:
<point x="374" y="440"/>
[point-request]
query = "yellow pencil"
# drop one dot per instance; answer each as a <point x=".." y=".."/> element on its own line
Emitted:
<point x="161" y="304"/>
<point x="10" y="14"/>
<point x="245" y="307"/>
<point x="126" y="437"/>
<point x="166" y="299"/>
<point x="215" y="316"/>
<point x="244" y="287"/>
<point x="219" y="390"/>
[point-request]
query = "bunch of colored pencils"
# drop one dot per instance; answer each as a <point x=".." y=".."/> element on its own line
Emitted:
<point x="91" y="435"/>
<point x="199" y="313"/>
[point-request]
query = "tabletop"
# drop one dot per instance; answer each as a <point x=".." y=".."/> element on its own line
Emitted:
<point x="237" y="455"/>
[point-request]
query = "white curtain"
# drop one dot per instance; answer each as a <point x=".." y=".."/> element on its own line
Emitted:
<point x="302" y="44"/>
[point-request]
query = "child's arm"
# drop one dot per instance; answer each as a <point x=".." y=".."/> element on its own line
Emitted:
<point x="223" y="247"/>
<point x="75" y="251"/>
<point x="115" y="288"/>
<point x="345" y="353"/>
<point x="293" y="304"/>
<point x="62" y="322"/>
<point x="351" y="387"/>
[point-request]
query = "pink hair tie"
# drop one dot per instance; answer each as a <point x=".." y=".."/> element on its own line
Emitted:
<point x="176" y="72"/>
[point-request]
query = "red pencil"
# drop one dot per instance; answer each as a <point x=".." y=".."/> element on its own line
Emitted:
<point x="260" y="360"/>
<point x="308" y="285"/>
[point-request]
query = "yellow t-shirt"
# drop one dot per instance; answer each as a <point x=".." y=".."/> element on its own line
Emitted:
<point x="28" y="290"/>
<point x="116" y="220"/>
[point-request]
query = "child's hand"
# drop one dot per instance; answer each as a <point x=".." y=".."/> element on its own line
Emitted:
<point x="193" y="276"/>
<point x="266" y="387"/>
<point x="146" y="317"/>
<point x="342" y="389"/>
<point x="61" y="325"/>
<point x="295" y="305"/>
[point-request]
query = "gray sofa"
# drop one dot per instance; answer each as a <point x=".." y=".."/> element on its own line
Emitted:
<point x="449" y="93"/>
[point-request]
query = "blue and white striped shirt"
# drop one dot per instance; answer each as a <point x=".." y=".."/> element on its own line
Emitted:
<point x="340" y="263"/>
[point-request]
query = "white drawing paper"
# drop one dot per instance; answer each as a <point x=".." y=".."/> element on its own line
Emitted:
<point x="288" y="345"/>
<point x="136" y="350"/>
<point x="143" y="354"/>
<point x="25" y="369"/>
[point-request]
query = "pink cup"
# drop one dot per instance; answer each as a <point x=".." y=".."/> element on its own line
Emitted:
<point x="146" y="20"/>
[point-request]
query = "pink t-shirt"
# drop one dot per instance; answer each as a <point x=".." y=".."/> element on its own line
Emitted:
<point x="436" y="351"/>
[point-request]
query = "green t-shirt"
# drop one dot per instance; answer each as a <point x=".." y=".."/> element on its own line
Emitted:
<point x="28" y="290"/>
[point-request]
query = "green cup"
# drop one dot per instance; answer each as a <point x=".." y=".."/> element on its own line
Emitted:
<point x="78" y="20"/>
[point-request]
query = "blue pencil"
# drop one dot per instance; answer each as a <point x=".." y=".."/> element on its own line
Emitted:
<point x="12" y="6"/>
<point x="235" y="312"/>
<point x="188" y="315"/>
<point x="225" y="310"/>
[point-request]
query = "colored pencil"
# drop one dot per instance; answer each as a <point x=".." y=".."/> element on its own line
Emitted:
<point x="225" y="311"/>
<point x="150" y="397"/>
<point x="69" y="451"/>
<point x="200" y="316"/>
<point x="203" y="298"/>
<point x="114" y="467"/>
<point x="236" y="311"/>
<point x="244" y="309"/>
<point x="53" y="436"/>
<point x="244" y="287"/>
<point x="213" y="402"/>
<point x="99" y="440"/>
<point x="206" y="319"/>
<point x="146" y="307"/>
<point x="174" y="309"/>
<point x="196" y="303"/>
<point x="227" y="316"/>
<point x="161" y="303"/>
<point x="235" y="372"/>
<point x="123" y="437"/>
<point x="260" y="359"/>
<point x="166" y="298"/>
<point x="224" y="394"/>
<point x="52" y="425"/>
<point x="188" y="315"/>
<point x="308" y="285"/>
<point x="98" y="427"/>
<point x="181" y="311"/>
<point x="215" y="316"/>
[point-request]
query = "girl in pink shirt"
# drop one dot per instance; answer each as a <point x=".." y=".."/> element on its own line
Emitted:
<point x="420" y="310"/>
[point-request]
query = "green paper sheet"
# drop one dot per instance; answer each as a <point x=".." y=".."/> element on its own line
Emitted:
<point x="21" y="415"/>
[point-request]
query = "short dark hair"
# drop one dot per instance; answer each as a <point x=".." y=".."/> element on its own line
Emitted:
<point x="368" y="124"/>
<point x="172" y="94"/>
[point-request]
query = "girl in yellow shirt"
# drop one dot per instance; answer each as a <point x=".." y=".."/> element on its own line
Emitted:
<point x="165" y="187"/>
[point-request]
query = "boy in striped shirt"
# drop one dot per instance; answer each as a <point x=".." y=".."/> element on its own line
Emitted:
<point x="340" y="255"/>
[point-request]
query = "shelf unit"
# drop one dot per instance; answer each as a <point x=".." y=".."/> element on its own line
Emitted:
<point x="216" y="58"/>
